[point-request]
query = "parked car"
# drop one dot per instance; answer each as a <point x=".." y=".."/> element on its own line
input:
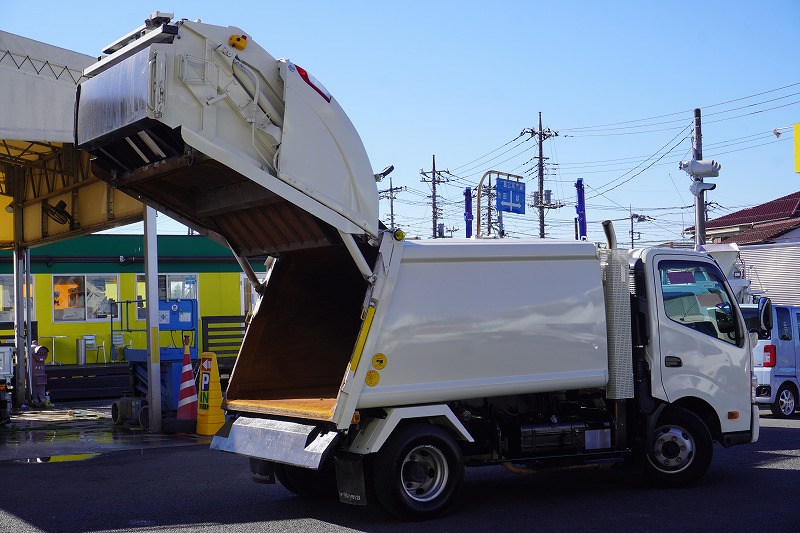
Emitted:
<point x="775" y="358"/>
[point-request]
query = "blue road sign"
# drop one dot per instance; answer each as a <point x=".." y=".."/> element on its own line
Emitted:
<point x="510" y="196"/>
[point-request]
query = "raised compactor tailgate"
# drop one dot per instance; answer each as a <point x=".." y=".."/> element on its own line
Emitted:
<point x="227" y="140"/>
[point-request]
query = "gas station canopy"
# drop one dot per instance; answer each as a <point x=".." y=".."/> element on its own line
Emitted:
<point x="47" y="189"/>
<point x="38" y="85"/>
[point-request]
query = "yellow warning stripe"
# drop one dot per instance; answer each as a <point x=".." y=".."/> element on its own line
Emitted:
<point x="367" y="317"/>
<point x="71" y="457"/>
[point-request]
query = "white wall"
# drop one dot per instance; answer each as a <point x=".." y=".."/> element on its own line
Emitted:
<point x="774" y="271"/>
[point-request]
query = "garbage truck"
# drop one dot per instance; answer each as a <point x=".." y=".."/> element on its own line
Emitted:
<point x="376" y="368"/>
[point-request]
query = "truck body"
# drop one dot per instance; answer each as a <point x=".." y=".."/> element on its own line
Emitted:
<point x="376" y="366"/>
<point x="775" y="359"/>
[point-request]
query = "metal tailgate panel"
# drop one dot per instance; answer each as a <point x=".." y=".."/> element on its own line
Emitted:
<point x="276" y="440"/>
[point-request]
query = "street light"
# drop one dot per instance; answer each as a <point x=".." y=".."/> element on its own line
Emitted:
<point x="697" y="170"/>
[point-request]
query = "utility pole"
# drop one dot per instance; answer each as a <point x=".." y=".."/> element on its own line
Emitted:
<point x="390" y="195"/>
<point x="700" y="198"/>
<point x="636" y="218"/>
<point x="699" y="169"/>
<point x="541" y="136"/>
<point x="434" y="178"/>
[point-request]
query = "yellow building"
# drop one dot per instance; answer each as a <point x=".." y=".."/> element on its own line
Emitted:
<point x="95" y="284"/>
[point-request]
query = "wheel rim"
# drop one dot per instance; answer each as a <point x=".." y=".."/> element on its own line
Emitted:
<point x="786" y="402"/>
<point x="673" y="449"/>
<point x="424" y="473"/>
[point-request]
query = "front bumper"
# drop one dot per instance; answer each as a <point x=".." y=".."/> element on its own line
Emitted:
<point x="744" y="437"/>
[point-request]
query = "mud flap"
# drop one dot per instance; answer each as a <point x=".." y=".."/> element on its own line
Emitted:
<point x="276" y="440"/>
<point x="262" y="471"/>
<point x="350" y="479"/>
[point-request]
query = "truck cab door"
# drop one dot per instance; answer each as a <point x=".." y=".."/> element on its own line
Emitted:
<point x="701" y="349"/>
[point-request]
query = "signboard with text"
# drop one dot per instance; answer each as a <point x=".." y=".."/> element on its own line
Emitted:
<point x="510" y="196"/>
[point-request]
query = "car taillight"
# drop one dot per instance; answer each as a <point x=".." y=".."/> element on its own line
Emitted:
<point x="769" y="355"/>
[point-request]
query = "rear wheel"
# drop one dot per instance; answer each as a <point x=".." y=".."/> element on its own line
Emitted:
<point x="680" y="451"/>
<point x="785" y="402"/>
<point x="419" y="472"/>
<point x="313" y="484"/>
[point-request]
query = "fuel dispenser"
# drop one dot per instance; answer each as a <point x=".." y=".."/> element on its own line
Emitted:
<point x="6" y="381"/>
<point x="176" y="319"/>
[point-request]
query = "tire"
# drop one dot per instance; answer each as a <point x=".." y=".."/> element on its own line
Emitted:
<point x="785" y="402"/>
<point x="116" y="414"/>
<point x="680" y="451"/>
<point x="418" y="473"/>
<point x="144" y="417"/>
<point x="312" y="484"/>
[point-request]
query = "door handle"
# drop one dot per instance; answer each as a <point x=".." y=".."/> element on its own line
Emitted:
<point x="671" y="361"/>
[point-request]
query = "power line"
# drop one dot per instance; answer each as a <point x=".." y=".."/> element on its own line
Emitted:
<point x="602" y="193"/>
<point x="512" y="147"/>
<point x="681" y="112"/>
<point x="490" y="153"/>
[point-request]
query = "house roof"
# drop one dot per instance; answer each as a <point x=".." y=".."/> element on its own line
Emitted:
<point x="764" y="233"/>
<point x="780" y="209"/>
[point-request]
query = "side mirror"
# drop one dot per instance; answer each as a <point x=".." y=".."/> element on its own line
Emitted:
<point x="765" y="315"/>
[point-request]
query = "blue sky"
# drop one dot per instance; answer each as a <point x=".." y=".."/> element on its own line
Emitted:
<point x="462" y="79"/>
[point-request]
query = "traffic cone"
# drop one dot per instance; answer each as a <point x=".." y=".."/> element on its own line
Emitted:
<point x="210" y="416"/>
<point x="187" y="397"/>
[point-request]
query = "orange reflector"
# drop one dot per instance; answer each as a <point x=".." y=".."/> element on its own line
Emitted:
<point x="356" y="418"/>
<point x="733" y="415"/>
<point x="238" y="41"/>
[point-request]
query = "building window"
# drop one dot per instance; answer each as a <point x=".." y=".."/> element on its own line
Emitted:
<point x="80" y="297"/>
<point x="170" y="286"/>
<point x="7" y="298"/>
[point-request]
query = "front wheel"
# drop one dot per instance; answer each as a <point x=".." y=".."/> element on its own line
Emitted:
<point x="419" y="472"/>
<point x="680" y="450"/>
<point x="785" y="402"/>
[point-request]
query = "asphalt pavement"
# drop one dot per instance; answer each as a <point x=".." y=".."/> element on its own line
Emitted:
<point x="75" y="431"/>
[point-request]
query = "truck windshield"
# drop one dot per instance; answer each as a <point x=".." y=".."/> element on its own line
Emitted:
<point x="695" y="296"/>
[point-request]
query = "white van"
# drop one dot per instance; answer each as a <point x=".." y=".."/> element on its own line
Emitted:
<point x="775" y="359"/>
